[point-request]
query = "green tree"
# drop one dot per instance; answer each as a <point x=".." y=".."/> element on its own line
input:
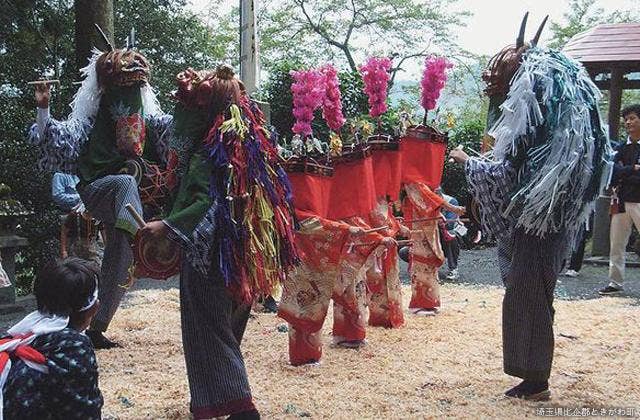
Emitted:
<point x="37" y="40"/>
<point x="172" y="38"/>
<point x="583" y="15"/>
<point x="345" y="31"/>
<point x="468" y="134"/>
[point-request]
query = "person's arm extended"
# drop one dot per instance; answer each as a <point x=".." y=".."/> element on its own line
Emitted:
<point x="58" y="142"/>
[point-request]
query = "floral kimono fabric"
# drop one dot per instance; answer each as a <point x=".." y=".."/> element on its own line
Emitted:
<point x="426" y="255"/>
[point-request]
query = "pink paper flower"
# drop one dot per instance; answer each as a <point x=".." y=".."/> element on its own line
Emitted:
<point x="434" y="78"/>
<point x="375" y="74"/>
<point x="308" y="91"/>
<point x="332" y="103"/>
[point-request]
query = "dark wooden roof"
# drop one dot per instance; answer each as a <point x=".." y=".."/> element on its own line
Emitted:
<point x="604" y="45"/>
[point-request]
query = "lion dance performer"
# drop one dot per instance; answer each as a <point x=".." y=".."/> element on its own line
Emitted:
<point x="115" y="120"/>
<point x="308" y="289"/>
<point x="234" y="221"/>
<point x="383" y="278"/>
<point x="535" y="190"/>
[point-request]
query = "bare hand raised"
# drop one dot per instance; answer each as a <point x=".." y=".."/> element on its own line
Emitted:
<point x="43" y="93"/>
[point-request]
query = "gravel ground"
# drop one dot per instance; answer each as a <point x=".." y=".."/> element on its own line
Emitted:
<point x="448" y="366"/>
<point x="476" y="267"/>
<point x="479" y="266"/>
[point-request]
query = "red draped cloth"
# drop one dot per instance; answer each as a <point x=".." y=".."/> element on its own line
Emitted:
<point x="387" y="171"/>
<point x="353" y="187"/>
<point x="423" y="151"/>
<point x="307" y="290"/>
<point x="310" y="192"/>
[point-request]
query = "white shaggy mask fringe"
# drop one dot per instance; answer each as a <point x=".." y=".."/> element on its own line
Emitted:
<point x="86" y="101"/>
<point x="556" y="184"/>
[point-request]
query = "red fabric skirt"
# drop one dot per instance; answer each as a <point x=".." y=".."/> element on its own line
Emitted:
<point x="310" y="192"/>
<point x="387" y="173"/>
<point x="422" y="161"/>
<point x="353" y="190"/>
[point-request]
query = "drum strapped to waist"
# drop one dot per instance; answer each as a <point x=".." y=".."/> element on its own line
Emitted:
<point x="359" y="152"/>
<point x="152" y="181"/>
<point x="383" y="142"/>
<point x="428" y="133"/>
<point x="353" y="187"/>
<point x="307" y="165"/>
<point x="387" y="165"/>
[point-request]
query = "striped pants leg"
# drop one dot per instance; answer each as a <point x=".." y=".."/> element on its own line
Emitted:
<point x="105" y="199"/>
<point x="211" y="332"/>
<point x="527" y="308"/>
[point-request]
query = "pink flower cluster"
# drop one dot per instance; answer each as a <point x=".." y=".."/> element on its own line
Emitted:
<point x="433" y="80"/>
<point x="332" y="103"/>
<point x="308" y="91"/>
<point x="375" y="74"/>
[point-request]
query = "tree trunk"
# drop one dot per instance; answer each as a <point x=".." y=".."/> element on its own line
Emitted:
<point x="89" y="12"/>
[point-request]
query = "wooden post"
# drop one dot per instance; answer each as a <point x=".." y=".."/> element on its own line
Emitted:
<point x="89" y="12"/>
<point x="602" y="220"/>
<point x="249" y="56"/>
<point x="615" y="101"/>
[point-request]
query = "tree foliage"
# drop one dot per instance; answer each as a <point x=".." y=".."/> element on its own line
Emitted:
<point x="468" y="134"/>
<point x="36" y="40"/>
<point x="345" y="31"/>
<point x="172" y="38"/>
<point x="583" y="15"/>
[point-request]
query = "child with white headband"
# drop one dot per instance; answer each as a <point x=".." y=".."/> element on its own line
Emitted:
<point x="48" y="366"/>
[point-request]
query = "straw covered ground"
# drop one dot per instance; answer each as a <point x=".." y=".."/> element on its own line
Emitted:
<point x="443" y="366"/>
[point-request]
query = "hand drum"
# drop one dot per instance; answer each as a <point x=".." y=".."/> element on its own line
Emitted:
<point x="154" y="258"/>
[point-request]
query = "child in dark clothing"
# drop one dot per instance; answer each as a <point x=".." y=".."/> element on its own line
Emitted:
<point x="48" y="366"/>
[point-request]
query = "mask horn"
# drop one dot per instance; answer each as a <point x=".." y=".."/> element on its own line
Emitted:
<point x="131" y="41"/>
<point x="133" y="38"/>
<point x="104" y="37"/>
<point x="523" y="26"/>
<point x="536" y="38"/>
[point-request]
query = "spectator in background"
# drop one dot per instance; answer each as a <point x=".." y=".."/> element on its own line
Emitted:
<point x="626" y="213"/>
<point x="80" y="233"/>
<point x="63" y="191"/>
<point x="53" y="372"/>
<point x="448" y="234"/>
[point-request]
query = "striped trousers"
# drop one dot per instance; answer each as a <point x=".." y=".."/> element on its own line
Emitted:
<point x="529" y="268"/>
<point x="212" y="328"/>
<point x="105" y="199"/>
